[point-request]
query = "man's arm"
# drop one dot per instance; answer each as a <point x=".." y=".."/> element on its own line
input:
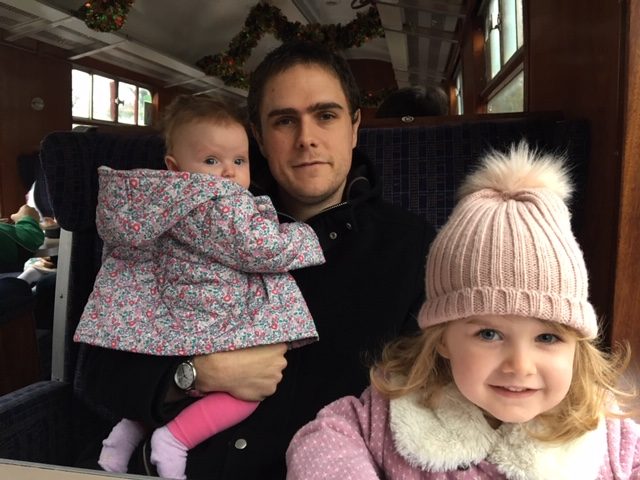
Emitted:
<point x="140" y="386"/>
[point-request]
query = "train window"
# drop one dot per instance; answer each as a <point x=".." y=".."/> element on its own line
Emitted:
<point x="503" y="32"/>
<point x="459" y="93"/>
<point x="509" y="97"/>
<point x="106" y="99"/>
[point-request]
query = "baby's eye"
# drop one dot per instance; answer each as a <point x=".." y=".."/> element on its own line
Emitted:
<point x="239" y="161"/>
<point x="488" y="334"/>
<point x="210" y="160"/>
<point x="548" y="338"/>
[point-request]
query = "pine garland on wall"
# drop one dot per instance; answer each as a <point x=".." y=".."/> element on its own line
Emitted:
<point x="105" y="15"/>
<point x="264" y="18"/>
<point x="110" y="16"/>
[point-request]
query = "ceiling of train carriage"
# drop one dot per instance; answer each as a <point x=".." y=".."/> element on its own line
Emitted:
<point x="164" y="39"/>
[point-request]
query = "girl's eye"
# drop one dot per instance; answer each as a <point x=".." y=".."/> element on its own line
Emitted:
<point x="548" y="338"/>
<point x="488" y="334"/>
<point x="211" y="160"/>
<point x="239" y="161"/>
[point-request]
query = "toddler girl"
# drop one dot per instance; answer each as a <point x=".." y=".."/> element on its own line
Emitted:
<point x="505" y="380"/>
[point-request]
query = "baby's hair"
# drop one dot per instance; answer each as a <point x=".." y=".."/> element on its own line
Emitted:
<point x="412" y="365"/>
<point x="189" y="108"/>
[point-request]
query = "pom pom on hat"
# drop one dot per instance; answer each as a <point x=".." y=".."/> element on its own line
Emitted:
<point x="508" y="248"/>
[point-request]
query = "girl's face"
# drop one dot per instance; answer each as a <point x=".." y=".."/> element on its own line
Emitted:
<point x="207" y="146"/>
<point x="514" y="368"/>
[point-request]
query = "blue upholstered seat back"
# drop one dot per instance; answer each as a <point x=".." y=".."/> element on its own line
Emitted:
<point x="421" y="168"/>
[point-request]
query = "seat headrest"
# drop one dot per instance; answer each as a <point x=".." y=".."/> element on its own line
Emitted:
<point x="70" y="161"/>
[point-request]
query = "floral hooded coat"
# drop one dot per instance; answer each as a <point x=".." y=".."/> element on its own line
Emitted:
<point x="194" y="264"/>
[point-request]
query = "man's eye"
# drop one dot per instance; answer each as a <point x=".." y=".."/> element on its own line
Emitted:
<point x="327" y="115"/>
<point x="210" y="160"/>
<point x="284" y="121"/>
<point x="488" y="334"/>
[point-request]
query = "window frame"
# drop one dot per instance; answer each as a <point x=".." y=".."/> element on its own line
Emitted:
<point x="115" y="102"/>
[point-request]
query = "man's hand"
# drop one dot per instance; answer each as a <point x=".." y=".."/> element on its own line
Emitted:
<point x="250" y="374"/>
<point x="25" y="211"/>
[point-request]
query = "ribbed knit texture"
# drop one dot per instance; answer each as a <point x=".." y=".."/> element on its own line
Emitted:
<point x="509" y="250"/>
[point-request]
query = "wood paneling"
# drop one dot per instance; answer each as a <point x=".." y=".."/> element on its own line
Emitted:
<point x="575" y="61"/>
<point x="627" y="280"/>
<point x="25" y="75"/>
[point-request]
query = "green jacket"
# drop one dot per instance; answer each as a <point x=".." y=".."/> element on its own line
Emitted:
<point x="15" y="239"/>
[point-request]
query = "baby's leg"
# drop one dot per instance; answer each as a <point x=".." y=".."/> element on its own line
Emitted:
<point x="199" y="421"/>
<point x="120" y="444"/>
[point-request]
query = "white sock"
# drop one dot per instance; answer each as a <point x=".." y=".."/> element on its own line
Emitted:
<point x="168" y="454"/>
<point x="119" y="445"/>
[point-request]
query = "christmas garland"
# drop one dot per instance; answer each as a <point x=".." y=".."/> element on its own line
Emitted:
<point x="264" y="18"/>
<point x="104" y="15"/>
<point x="110" y="16"/>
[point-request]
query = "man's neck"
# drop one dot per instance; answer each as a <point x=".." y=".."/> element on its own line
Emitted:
<point x="302" y="211"/>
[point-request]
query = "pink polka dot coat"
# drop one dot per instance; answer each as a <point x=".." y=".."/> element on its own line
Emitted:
<point x="371" y="437"/>
<point x="194" y="264"/>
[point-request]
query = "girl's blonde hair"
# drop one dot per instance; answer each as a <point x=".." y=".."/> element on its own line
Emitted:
<point x="413" y="365"/>
<point x="189" y="108"/>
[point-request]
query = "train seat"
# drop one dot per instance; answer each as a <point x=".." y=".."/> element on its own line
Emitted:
<point x="421" y="167"/>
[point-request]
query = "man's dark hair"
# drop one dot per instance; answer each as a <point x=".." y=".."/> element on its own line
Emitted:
<point x="294" y="53"/>
<point x="414" y="101"/>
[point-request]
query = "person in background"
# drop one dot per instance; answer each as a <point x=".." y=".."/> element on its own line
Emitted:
<point x="506" y="380"/>
<point x="193" y="263"/>
<point x="19" y="241"/>
<point x="304" y="111"/>
<point x="414" y="102"/>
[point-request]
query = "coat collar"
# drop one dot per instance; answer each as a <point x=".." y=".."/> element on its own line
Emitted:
<point x="456" y="433"/>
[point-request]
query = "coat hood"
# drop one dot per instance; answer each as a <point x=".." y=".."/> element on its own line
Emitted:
<point x="137" y="206"/>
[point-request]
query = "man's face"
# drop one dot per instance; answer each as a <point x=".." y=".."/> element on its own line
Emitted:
<point x="307" y="137"/>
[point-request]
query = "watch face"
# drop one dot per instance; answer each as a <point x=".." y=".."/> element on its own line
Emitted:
<point x="184" y="376"/>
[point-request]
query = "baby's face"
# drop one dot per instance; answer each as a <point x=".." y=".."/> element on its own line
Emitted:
<point x="212" y="148"/>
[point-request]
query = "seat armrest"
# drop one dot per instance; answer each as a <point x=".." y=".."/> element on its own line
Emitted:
<point x="36" y="423"/>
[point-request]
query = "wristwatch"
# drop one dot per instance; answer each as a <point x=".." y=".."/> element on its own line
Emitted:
<point x="185" y="378"/>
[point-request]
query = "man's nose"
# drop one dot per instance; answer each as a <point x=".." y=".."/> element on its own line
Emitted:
<point x="306" y="133"/>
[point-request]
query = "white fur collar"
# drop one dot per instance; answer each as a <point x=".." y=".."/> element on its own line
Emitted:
<point x="456" y="433"/>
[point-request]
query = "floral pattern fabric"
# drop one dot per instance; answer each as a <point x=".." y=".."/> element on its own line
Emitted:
<point x="194" y="264"/>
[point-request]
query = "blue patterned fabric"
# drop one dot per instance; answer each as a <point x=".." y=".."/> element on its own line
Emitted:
<point x="421" y="168"/>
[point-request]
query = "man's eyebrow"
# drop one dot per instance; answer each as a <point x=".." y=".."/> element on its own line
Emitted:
<point x="313" y="108"/>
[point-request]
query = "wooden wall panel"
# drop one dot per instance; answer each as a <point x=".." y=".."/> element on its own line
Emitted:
<point x="626" y="297"/>
<point x="24" y="75"/>
<point x="574" y="64"/>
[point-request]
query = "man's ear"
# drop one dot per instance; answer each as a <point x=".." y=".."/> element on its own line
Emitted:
<point x="357" y="117"/>
<point x="171" y="163"/>
<point x="256" y="135"/>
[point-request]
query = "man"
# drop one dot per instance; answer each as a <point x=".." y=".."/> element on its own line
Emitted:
<point x="304" y="111"/>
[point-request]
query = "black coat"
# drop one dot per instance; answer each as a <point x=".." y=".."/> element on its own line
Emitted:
<point x="366" y="293"/>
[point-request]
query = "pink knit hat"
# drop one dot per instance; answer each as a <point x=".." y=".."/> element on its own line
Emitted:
<point x="508" y="248"/>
